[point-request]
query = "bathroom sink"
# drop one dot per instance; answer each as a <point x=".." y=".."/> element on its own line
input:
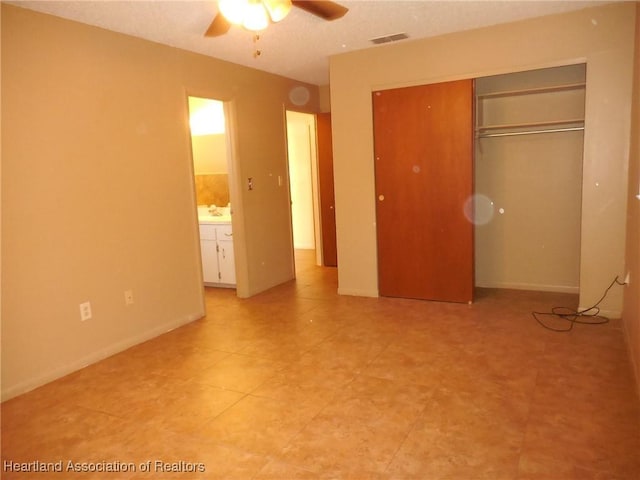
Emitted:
<point x="214" y="218"/>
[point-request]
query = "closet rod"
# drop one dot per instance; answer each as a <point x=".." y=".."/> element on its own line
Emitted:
<point x="529" y="132"/>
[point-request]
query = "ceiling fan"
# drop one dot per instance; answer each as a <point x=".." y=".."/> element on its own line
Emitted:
<point x="256" y="15"/>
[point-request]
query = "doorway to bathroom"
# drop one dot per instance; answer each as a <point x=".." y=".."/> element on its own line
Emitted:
<point x="211" y="154"/>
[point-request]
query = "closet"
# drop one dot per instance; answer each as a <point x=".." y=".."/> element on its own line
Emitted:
<point x="478" y="184"/>
<point x="529" y="129"/>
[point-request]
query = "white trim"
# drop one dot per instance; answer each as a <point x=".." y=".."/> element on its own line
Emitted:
<point x="358" y="292"/>
<point x="531" y="286"/>
<point x="610" y="314"/>
<point x="94" y="357"/>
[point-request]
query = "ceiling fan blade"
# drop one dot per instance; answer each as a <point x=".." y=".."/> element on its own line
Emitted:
<point x="323" y="9"/>
<point x="219" y="26"/>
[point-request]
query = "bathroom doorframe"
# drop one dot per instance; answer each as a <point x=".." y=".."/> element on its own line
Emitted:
<point x="239" y="244"/>
<point x="315" y="197"/>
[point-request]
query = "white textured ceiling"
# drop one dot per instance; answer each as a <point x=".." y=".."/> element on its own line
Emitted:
<point x="298" y="47"/>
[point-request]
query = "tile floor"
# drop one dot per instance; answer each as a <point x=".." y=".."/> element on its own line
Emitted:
<point x="300" y="383"/>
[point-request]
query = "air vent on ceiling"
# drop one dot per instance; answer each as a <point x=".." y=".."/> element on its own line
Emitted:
<point x="389" y="38"/>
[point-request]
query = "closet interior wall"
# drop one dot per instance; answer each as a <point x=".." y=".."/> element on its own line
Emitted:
<point x="528" y="184"/>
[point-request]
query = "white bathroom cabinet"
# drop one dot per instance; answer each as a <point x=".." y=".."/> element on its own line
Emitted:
<point x="216" y="248"/>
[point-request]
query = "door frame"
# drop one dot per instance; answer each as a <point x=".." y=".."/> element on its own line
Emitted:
<point x="314" y="182"/>
<point x="239" y="244"/>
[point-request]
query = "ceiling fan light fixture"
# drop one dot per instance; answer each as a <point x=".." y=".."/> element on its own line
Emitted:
<point x="256" y="17"/>
<point x="278" y="9"/>
<point x="233" y="10"/>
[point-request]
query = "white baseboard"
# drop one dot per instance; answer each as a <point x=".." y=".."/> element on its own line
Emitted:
<point x="357" y="292"/>
<point x="605" y="313"/>
<point x="94" y="357"/>
<point x="531" y="286"/>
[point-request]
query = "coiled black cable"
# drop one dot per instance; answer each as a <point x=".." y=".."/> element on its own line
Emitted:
<point x="576" y="316"/>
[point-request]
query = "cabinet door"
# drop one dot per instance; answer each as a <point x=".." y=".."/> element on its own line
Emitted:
<point x="226" y="261"/>
<point x="209" y="260"/>
<point x="424" y="175"/>
<point x="208" y="253"/>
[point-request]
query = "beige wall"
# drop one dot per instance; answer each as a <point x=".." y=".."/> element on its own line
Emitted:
<point x="601" y="37"/>
<point x="209" y="154"/>
<point x="98" y="195"/>
<point x="631" y="312"/>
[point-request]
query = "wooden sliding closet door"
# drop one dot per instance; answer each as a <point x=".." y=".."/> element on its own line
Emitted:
<point x="424" y="176"/>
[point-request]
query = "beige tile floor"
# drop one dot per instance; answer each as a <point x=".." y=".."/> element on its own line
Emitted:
<point x="299" y="382"/>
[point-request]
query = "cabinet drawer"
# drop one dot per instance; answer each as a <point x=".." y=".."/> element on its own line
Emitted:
<point x="207" y="232"/>
<point x="224" y="232"/>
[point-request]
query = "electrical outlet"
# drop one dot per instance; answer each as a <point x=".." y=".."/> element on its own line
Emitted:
<point x="85" y="311"/>
<point x="128" y="297"/>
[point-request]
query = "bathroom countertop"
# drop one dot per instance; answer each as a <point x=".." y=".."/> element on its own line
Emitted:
<point x="214" y="219"/>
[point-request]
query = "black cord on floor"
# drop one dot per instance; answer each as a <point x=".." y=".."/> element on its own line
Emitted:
<point x="576" y="316"/>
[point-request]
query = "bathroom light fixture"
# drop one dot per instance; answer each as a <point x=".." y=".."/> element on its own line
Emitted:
<point x="206" y="117"/>
<point x="254" y="15"/>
